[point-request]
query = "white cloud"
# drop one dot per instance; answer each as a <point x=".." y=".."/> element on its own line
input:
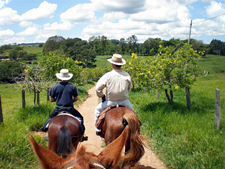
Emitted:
<point x="16" y="40"/>
<point x="27" y="24"/>
<point x="113" y="16"/>
<point x="8" y="16"/>
<point x="79" y="14"/>
<point x="58" y="26"/>
<point x="3" y="3"/>
<point x="215" y="9"/>
<point x="6" y="33"/>
<point x="126" y="6"/>
<point x="160" y="11"/>
<point x="45" y="10"/>
<point x="31" y="31"/>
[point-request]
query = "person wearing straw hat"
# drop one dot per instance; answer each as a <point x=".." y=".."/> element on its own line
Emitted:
<point x="64" y="94"/>
<point x="118" y="84"/>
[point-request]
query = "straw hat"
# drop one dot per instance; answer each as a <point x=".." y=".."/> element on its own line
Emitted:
<point x="117" y="60"/>
<point x="64" y="74"/>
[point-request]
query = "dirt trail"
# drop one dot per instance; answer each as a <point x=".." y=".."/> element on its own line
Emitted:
<point x="148" y="161"/>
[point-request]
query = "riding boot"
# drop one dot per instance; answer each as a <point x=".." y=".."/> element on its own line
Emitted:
<point x="45" y="128"/>
<point x="82" y="128"/>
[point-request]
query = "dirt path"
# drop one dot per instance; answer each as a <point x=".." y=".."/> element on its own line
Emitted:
<point x="148" y="161"/>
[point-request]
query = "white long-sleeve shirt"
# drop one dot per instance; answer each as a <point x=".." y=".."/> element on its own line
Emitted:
<point x="118" y="85"/>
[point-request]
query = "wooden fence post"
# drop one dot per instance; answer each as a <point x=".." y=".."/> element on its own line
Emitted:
<point x="188" y="98"/>
<point x="217" y="109"/>
<point x="158" y="95"/>
<point x="47" y="94"/>
<point x="23" y="99"/>
<point x="38" y="97"/>
<point x="1" y="113"/>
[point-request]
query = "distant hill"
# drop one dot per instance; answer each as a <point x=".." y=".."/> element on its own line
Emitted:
<point x="56" y="38"/>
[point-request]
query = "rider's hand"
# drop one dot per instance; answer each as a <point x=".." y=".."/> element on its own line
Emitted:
<point x="103" y="98"/>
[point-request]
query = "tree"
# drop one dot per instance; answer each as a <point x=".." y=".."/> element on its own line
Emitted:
<point x="172" y="68"/>
<point x="215" y="47"/>
<point x="50" y="45"/>
<point x="151" y="46"/>
<point x="9" y="70"/>
<point x="78" y="50"/>
<point x="13" y="54"/>
<point x="50" y="65"/>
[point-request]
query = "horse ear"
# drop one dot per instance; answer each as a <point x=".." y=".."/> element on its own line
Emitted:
<point x="111" y="155"/>
<point x="47" y="158"/>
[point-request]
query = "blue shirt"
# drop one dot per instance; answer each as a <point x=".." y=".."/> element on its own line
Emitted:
<point x="64" y="93"/>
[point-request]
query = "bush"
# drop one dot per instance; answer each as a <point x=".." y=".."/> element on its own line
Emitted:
<point x="9" y="70"/>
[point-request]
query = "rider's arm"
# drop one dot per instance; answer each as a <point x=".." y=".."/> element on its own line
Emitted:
<point x="75" y="99"/>
<point x="101" y="84"/>
<point x="52" y="99"/>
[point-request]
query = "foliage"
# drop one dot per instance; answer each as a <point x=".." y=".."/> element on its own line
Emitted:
<point x="53" y="63"/>
<point x="171" y="69"/>
<point x="9" y="70"/>
<point x="217" y="47"/>
<point x="50" y="46"/>
<point x="78" y="50"/>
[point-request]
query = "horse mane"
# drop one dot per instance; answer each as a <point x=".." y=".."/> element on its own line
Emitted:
<point x="136" y="140"/>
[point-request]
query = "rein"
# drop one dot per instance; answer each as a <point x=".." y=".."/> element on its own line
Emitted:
<point x="70" y="164"/>
<point x="94" y="163"/>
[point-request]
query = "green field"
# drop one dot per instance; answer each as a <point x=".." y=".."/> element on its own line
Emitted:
<point x="182" y="138"/>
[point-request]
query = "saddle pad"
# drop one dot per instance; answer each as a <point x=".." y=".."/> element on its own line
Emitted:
<point x="67" y="114"/>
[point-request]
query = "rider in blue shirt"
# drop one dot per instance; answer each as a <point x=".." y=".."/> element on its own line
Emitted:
<point x="64" y="94"/>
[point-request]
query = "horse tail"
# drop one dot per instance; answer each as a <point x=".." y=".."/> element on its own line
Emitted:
<point x="136" y="150"/>
<point x="64" y="141"/>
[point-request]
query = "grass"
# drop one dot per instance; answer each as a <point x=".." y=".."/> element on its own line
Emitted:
<point x="15" y="149"/>
<point x="34" y="49"/>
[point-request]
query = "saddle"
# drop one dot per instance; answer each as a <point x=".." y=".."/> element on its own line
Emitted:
<point x="102" y="115"/>
<point x="67" y="111"/>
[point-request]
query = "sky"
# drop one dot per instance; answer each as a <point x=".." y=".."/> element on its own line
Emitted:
<point x="34" y="21"/>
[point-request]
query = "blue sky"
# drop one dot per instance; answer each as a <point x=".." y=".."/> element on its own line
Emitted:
<point x="31" y="21"/>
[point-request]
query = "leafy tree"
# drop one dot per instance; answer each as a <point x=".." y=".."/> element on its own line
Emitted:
<point x="9" y="70"/>
<point x="50" y="65"/>
<point x="13" y="54"/>
<point x="151" y="46"/>
<point x="50" y="45"/>
<point x="215" y="47"/>
<point x="78" y="50"/>
<point x="171" y="69"/>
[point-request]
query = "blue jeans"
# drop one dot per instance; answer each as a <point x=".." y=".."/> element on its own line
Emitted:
<point x="103" y="105"/>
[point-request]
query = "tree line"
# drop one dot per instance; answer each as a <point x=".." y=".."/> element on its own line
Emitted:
<point x="101" y="45"/>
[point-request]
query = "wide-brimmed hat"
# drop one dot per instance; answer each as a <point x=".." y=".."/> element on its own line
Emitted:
<point x="117" y="59"/>
<point x="64" y="74"/>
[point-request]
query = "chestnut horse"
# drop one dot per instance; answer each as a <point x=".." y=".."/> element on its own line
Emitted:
<point x="116" y="119"/>
<point x="109" y="158"/>
<point x="64" y="134"/>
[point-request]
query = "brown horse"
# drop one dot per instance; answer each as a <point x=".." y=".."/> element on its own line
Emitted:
<point x="64" y="134"/>
<point x="114" y="123"/>
<point x="109" y="158"/>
